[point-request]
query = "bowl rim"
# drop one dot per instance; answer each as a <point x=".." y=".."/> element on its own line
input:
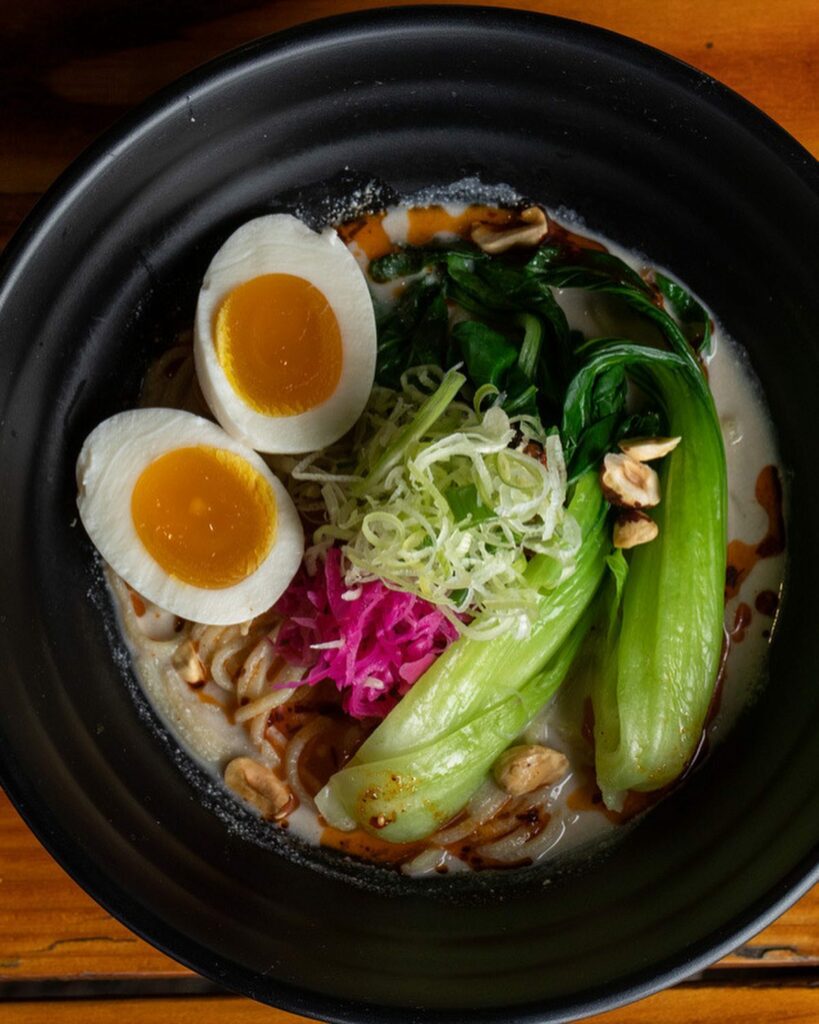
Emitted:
<point x="79" y="176"/>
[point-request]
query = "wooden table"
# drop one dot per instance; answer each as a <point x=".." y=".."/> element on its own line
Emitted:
<point x="68" y="69"/>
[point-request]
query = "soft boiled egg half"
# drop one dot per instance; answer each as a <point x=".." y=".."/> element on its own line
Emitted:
<point x="191" y="518"/>
<point x="284" y="337"/>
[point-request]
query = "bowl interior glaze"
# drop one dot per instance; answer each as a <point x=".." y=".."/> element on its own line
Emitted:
<point x="653" y="154"/>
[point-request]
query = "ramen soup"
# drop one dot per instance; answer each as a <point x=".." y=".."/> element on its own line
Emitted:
<point x="508" y="563"/>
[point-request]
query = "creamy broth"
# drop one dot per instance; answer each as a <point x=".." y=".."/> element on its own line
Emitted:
<point x="202" y="716"/>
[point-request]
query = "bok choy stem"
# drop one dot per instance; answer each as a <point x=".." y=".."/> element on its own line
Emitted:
<point x="408" y="796"/>
<point x="469" y="677"/>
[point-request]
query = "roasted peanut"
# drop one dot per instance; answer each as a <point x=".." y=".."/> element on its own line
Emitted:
<point x="258" y="785"/>
<point x="522" y="769"/>
<point x="646" y="449"/>
<point x="494" y="239"/>
<point x="188" y="664"/>
<point x="633" y="527"/>
<point x="628" y="483"/>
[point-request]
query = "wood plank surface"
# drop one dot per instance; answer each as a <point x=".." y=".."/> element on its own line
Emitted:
<point x="692" y="1005"/>
<point x="50" y="928"/>
<point x="68" y="71"/>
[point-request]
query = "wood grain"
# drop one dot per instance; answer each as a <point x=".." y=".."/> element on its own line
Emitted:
<point x="68" y="71"/>
<point x="701" y="1005"/>
<point x="50" y="928"/>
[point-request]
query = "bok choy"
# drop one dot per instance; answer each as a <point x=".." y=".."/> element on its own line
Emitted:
<point x="651" y="698"/>
<point x="470" y="683"/>
<point x="657" y="657"/>
<point x="408" y="794"/>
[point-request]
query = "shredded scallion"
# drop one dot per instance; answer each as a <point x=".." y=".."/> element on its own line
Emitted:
<point x="444" y="503"/>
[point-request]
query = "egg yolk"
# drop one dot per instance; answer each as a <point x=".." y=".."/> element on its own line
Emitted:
<point x="278" y="341"/>
<point x="205" y="515"/>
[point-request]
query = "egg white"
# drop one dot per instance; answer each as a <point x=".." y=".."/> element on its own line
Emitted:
<point x="111" y="461"/>
<point x="281" y="244"/>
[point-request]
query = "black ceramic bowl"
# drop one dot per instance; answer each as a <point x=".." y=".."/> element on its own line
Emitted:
<point x="652" y="153"/>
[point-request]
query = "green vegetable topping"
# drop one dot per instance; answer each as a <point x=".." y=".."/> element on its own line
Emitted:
<point x="472" y="702"/>
<point x="443" y="498"/>
<point x="653" y="692"/>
